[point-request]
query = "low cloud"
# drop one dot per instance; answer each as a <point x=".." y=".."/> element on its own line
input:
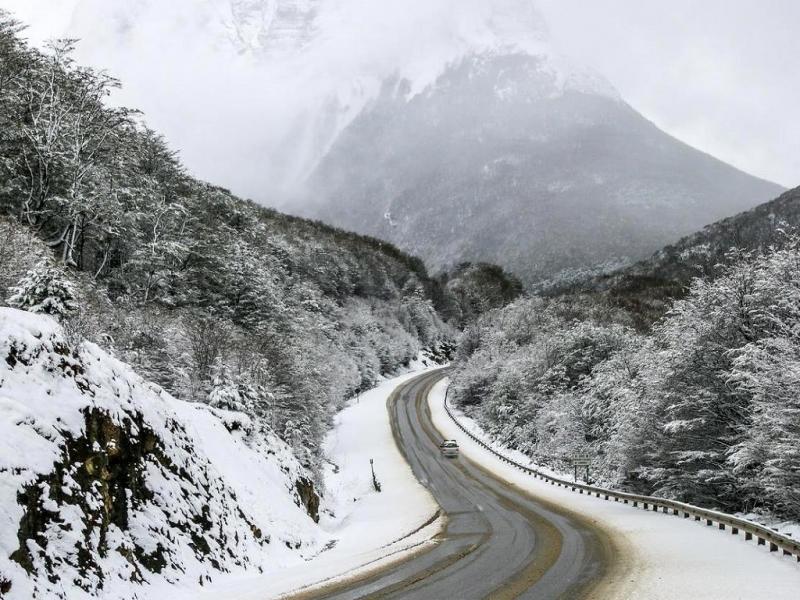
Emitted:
<point x="254" y="118"/>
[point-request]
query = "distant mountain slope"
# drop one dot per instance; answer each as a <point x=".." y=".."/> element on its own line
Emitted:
<point x="517" y="159"/>
<point x="648" y="287"/>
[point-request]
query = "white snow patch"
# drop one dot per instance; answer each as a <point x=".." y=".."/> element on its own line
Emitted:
<point x="670" y="557"/>
<point x="194" y="481"/>
<point x="370" y="529"/>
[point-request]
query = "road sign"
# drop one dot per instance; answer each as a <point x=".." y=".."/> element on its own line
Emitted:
<point x="581" y="460"/>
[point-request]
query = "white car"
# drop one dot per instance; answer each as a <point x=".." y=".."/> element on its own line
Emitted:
<point x="449" y="449"/>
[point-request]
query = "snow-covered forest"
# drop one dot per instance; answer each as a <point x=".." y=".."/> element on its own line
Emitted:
<point x="212" y="297"/>
<point x="212" y="300"/>
<point x="702" y="408"/>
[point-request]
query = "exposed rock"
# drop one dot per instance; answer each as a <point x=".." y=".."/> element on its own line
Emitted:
<point x="309" y="497"/>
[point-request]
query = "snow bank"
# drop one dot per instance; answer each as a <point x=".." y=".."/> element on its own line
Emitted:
<point x="368" y="530"/>
<point x="117" y="487"/>
<point x="663" y="557"/>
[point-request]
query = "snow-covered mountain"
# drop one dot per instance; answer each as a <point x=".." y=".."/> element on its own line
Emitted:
<point x="511" y="152"/>
<point x="515" y="156"/>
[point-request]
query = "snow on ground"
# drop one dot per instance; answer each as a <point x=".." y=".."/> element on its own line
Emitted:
<point x="369" y="529"/>
<point x="665" y="557"/>
<point x="116" y="485"/>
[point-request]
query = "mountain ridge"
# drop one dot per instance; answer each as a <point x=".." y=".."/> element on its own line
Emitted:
<point x="531" y="172"/>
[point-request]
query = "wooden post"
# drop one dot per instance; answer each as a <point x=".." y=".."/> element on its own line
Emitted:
<point x="375" y="483"/>
<point x="748" y="536"/>
<point x="734" y="530"/>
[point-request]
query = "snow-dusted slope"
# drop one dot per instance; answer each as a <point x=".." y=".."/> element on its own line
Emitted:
<point x="369" y="530"/>
<point x="659" y="556"/>
<point x="113" y="483"/>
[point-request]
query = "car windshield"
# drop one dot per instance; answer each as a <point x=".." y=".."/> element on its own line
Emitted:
<point x="449" y="444"/>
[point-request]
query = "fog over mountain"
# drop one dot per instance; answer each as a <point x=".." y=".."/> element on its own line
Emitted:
<point x="454" y="128"/>
<point x="252" y="91"/>
<point x="517" y="156"/>
<point x="512" y="158"/>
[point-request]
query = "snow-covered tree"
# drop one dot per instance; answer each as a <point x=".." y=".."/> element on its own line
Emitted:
<point x="45" y="289"/>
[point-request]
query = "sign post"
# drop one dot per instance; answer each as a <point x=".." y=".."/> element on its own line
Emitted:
<point x="581" y="459"/>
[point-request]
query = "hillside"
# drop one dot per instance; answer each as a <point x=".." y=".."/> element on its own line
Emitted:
<point x="701" y="406"/>
<point x="647" y="287"/>
<point x="109" y="481"/>
<point x="216" y="303"/>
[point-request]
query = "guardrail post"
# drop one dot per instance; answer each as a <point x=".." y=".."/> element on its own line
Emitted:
<point x="709" y="522"/>
<point x="655" y="508"/>
<point x="735" y="530"/>
<point x="773" y="546"/>
<point x="761" y="541"/>
<point x="685" y="515"/>
<point x="674" y="511"/>
<point x="664" y="509"/>
<point x="635" y="504"/>
<point x="748" y="536"/>
<point x="645" y="505"/>
<point x="786" y="552"/>
<point x="722" y="526"/>
<point x="697" y="517"/>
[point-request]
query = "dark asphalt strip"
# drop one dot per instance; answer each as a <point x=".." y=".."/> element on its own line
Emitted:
<point x="499" y="542"/>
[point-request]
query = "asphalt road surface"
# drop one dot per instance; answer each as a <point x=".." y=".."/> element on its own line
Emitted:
<point x="498" y="543"/>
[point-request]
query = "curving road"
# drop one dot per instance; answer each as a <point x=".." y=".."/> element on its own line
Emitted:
<point x="498" y="543"/>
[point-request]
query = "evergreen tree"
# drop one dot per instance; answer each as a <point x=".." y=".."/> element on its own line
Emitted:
<point x="45" y="289"/>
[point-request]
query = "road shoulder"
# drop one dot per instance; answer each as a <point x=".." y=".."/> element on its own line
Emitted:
<point x="656" y="556"/>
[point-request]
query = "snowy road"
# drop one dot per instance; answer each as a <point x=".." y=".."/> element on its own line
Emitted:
<point x="498" y="542"/>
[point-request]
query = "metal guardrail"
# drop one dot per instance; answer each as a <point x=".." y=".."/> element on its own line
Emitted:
<point x="762" y="534"/>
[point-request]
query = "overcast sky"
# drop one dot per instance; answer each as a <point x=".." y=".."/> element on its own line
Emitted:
<point x="722" y="75"/>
